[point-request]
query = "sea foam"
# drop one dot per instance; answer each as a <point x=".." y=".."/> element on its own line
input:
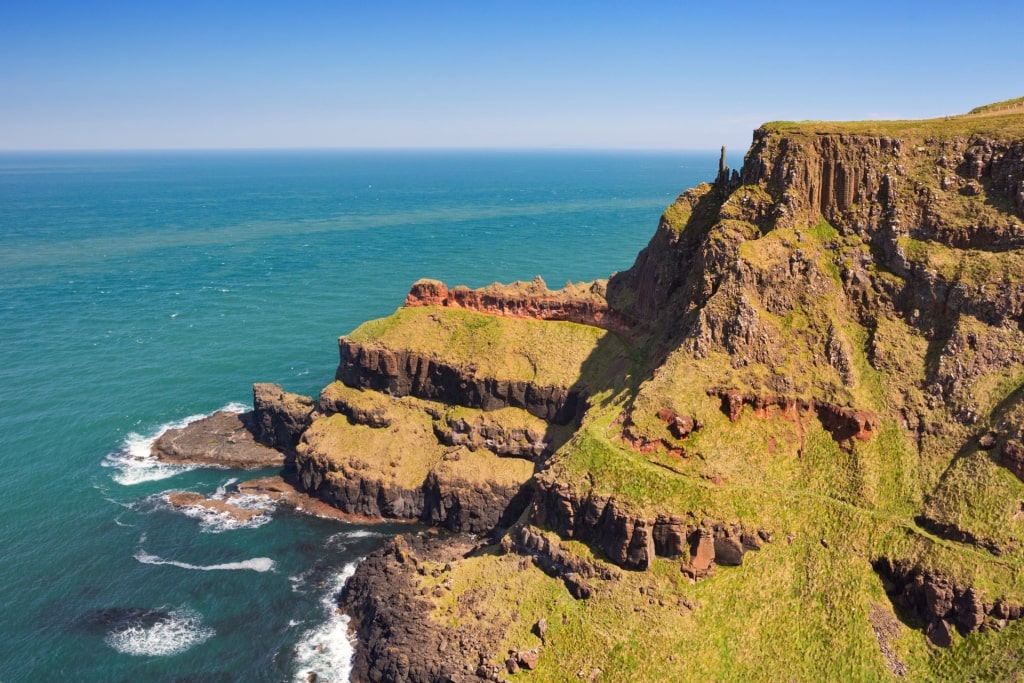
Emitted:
<point x="215" y="521"/>
<point x="256" y="564"/>
<point x="327" y="650"/>
<point x="134" y="459"/>
<point x="169" y="635"/>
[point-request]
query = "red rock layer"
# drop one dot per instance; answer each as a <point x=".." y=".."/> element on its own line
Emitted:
<point x="589" y="307"/>
<point x="842" y="423"/>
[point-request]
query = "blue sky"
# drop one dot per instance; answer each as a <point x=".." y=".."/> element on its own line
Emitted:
<point x="654" y="75"/>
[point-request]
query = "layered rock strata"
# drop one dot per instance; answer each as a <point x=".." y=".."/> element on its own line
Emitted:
<point x="632" y="541"/>
<point x="400" y="372"/>
<point x="396" y="457"/>
<point x="582" y="303"/>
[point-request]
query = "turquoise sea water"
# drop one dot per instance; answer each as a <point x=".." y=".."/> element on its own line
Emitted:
<point x="137" y="290"/>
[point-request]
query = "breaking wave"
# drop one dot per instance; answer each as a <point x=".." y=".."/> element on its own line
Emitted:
<point x="170" y="634"/>
<point x="134" y="460"/>
<point x="215" y="521"/>
<point x="327" y="650"/>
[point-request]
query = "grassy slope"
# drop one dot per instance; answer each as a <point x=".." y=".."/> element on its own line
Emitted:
<point x="405" y="452"/>
<point x="546" y="353"/>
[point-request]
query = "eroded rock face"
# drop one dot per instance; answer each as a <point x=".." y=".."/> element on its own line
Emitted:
<point x="396" y="637"/>
<point x="454" y="501"/>
<point x="584" y="303"/>
<point x="461" y="490"/>
<point x="575" y="572"/>
<point x="631" y="541"/>
<point x="857" y="179"/>
<point x="375" y="415"/>
<point x="280" y="417"/>
<point x="445" y="498"/>
<point x="400" y="372"/>
<point x="841" y="422"/>
<point x="941" y="604"/>
<point x="517" y="442"/>
<point x="359" y="491"/>
<point x="625" y="539"/>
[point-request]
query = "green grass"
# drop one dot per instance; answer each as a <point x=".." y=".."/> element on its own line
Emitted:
<point x="1015" y="103"/>
<point x="677" y="216"/>
<point x="543" y="352"/>
<point x="992" y="123"/>
<point x="982" y="498"/>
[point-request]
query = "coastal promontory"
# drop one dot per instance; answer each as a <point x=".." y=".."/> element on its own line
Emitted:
<point x="786" y="444"/>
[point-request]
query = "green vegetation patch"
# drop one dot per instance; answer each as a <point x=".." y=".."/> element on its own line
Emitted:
<point x="1000" y="124"/>
<point x="402" y="454"/>
<point x="971" y="267"/>
<point x="677" y="216"/>
<point x="405" y="452"/>
<point x="1015" y="103"/>
<point x="982" y="498"/>
<point x="542" y="352"/>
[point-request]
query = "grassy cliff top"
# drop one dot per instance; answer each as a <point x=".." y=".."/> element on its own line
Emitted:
<point x="1000" y="120"/>
<point x="544" y="352"/>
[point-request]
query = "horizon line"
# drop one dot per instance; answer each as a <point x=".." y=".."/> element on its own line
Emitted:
<point x="122" y="150"/>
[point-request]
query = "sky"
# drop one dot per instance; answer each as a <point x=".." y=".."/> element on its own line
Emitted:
<point x="152" y="74"/>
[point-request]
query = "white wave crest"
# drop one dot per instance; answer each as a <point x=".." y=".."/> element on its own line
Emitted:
<point x="223" y="488"/>
<point x="362" y="533"/>
<point x="327" y="649"/>
<point x="134" y="459"/>
<point x="256" y="564"/>
<point x="170" y="635"/>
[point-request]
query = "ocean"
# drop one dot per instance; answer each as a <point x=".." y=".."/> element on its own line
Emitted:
<point x="142" y="290"/>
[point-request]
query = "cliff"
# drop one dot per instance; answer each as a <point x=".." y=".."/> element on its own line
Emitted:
<point x="787" y="440"/>
<point x="822" y="350"/>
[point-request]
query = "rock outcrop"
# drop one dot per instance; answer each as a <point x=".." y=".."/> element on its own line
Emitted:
<point x="400" y="372"/>
<point x="397" y="638"/>
<point x="632" y="541"/>
<point x="224" y="439"/>
<point x="842" y="423"/>
<point x="510" y="441"/>
<point x="395" y="457"/>
<point x="551" y="558"/>
<point x="280" y="417"/>
<point x="582" y="303"/>
<point x="942" y="605"/>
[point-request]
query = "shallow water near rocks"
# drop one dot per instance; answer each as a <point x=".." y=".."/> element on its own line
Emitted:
<point x="141" y="290"/>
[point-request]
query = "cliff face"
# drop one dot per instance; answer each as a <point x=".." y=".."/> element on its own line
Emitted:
<point x="961" y="192"/>
<point x="819" y="358"/>
<point x="401" y="372"/>
<point x="378" y="456"/>
<point x="872" y="183"/>
<point x="825" y="348"/>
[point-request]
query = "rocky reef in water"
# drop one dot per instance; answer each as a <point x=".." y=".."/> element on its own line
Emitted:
<point x="786" y="441"/>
